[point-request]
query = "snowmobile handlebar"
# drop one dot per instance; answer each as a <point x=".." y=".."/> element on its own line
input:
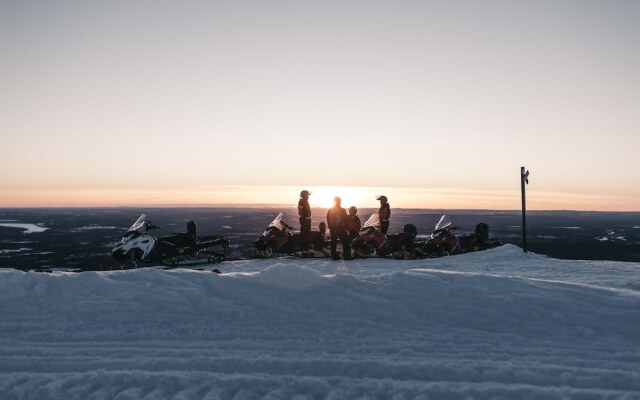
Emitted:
<point x="149" y="226"/>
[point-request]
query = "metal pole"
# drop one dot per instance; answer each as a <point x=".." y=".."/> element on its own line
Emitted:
<point x="524" y="209"/>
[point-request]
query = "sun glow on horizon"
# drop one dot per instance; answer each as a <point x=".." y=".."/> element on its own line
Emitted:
<point x="322" y="196"/>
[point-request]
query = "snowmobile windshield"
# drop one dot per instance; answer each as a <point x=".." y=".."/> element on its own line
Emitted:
<point x="138" y="224"/>
<point x="277" y="223"/>
<point x="373" y="221"/>
<point x="444" y="222"/>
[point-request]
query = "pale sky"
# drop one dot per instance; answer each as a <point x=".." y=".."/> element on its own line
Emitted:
<point x="160" y="102"/>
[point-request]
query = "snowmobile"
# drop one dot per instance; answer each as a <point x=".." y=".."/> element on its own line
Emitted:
<point x="442" y="241"/>
<point x="179" y="249"/>
<point x="371" y="242"/>
<point x="279" y="237"/>
<point x="478" y="240"/>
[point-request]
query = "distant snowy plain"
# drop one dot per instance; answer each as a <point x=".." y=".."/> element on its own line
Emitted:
<point x="497" y="324"/>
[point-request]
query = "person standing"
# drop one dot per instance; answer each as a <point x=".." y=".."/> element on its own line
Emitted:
<point x="336" y="219"/>
<point x="353" y="223"/>
<point x="304" y="212"/>
<point x="384" y="213"/>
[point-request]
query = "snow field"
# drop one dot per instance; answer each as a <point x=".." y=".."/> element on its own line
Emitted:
<point x="494" y="324"/>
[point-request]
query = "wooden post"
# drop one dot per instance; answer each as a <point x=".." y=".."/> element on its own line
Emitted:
<point x="524" y="175"/>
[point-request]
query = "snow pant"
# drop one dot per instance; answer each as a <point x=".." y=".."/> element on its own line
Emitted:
<point x="305" y="231"/>
<point x="384" y="226"/>
<point x="340" y="233"/>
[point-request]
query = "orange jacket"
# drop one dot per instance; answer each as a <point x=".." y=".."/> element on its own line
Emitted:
<point x="384" y="213"/>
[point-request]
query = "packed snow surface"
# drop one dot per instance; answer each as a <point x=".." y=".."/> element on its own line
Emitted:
<point x="496" y="324"/>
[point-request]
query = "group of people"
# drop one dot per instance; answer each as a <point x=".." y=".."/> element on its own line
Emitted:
<point x="343" y="226"/>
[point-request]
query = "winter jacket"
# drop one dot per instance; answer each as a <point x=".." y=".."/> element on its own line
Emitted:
<point x="304" y="210"/>
<point x="336" y="218"/>
<point x="384" y="213"/>
<point x="353" y="223"/>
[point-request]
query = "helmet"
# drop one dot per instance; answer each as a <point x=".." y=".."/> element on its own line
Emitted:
<point x="305" y="192"/>
<point x="354" y="209"/>
<point x="382" y="198"/>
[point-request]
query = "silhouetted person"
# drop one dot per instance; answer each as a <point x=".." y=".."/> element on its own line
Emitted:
<point x="384" y="213"/>
<point x="336" y="219"/>
<point x="353" y="223"/>
<point x="481" y="235"/>
<point x="186" y="239"/>
<point x="304" y="212"/>
<point x="191" y="234"/>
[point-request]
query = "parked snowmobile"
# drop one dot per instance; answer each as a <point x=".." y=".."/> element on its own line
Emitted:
<point x="370" y="239"/>
<point x="279" y="237"/>
<point x="372" y="242"/>
<point x="442" y="241"/>
<point x="138" y="246"/>
<point x="479" y="240"/>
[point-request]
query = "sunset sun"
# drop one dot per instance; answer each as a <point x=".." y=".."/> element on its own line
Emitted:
<point x="322" y="196"/>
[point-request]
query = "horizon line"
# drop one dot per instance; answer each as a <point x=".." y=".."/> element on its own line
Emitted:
<point x="283" y="196"/>
<point x="286" y="206"/>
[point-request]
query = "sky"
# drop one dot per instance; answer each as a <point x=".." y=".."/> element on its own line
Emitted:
<point x="435" y="103"/>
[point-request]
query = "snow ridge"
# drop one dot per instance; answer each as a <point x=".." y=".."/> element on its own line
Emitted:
<point x="290" y="331"/>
